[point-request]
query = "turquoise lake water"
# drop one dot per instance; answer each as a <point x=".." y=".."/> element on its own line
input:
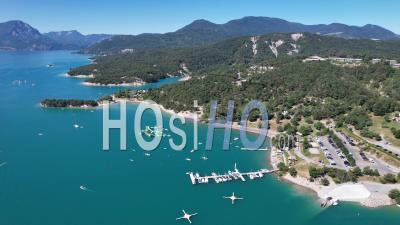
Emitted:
<point x="39" y="184"/>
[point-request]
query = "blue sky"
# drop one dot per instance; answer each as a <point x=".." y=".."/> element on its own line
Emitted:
<point x="157" y="16"/>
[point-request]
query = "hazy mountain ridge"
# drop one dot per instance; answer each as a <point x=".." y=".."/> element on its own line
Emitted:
<point x="18" y="35"/>
<point x="75" y="38"/>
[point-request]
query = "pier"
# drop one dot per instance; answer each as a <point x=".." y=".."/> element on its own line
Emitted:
<point x="195" y="178"/>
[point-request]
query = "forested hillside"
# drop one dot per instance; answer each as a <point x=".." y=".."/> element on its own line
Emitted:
<point x="320" y="90"/>
<point x="272" y="49"/>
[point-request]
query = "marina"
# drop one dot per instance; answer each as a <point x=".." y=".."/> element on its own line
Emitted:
<point x="195" y="178"/>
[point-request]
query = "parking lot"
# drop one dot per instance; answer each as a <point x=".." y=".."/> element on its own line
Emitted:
<point x="332" y="154"/>
<point x="365" y="159"/>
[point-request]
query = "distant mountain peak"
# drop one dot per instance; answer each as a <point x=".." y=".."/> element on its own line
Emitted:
<point x="198" y="25"/>
<point x="75" y="39"/>
<point x="18" y="26"/>
<point x="18" y="35"/>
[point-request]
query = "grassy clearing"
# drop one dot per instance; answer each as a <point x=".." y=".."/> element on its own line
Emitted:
<point x="382" y="127"/>
<point x="302" y="168"/>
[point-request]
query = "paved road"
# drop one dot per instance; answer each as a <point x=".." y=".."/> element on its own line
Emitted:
<point x="382" y="167"/>
<point x="385" y="144"/>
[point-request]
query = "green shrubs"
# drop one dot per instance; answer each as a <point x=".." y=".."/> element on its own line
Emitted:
<point x="293" y="172"/>
<point x="370" y="172"/>
<point x="388" y="178"/>
<point x="395" y="195"/>
<point x="325" y="182"/>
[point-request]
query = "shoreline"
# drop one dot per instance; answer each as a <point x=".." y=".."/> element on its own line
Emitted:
<point x="189" y="115"/>
<point x="78" y="76"/>
<point x="133" y="84"/>
<point x="366" y="193"/>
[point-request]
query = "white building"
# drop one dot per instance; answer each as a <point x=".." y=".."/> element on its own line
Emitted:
<point x="375" y="61"/>
<point x="345" y="60"/>
<point x="314" y="58"/>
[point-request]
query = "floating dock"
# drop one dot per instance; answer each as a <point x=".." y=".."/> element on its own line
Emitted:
<point x="195" y="178"/>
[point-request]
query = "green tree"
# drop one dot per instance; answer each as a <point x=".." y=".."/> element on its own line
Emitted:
<point x="357" y="171"/>
<point x="389" y="178"/>
<point x="397" y="200"/>
<point x="394" y="193"/>
<point x="318" y="125"/>
<point x="305" y="130"/>
<point x="325" y="182"/>
<point x="292" y="171"/>
<point x="282" y="167"/>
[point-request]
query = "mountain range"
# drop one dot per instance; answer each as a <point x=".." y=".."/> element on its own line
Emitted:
<point x="202" y="32"/>
<point x="75" y="38"/>
<point x="17" y="35"/>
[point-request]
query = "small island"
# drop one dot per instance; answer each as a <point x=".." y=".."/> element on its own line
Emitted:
<point x="68" y="103"/>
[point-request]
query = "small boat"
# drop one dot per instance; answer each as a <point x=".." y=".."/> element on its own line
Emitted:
<point x="40" y="134"/>
<point x="188" y="159"/>
<point x="131" y="160"/>
<point x="83" y="188"/>
<point x="76" y="125"/>
<point x="204" y="158"/>
<point x="236" y="138"/>
<point x="49" y="65"/>
<point x="191" y="151"/>
<point x="147" y="154"/>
